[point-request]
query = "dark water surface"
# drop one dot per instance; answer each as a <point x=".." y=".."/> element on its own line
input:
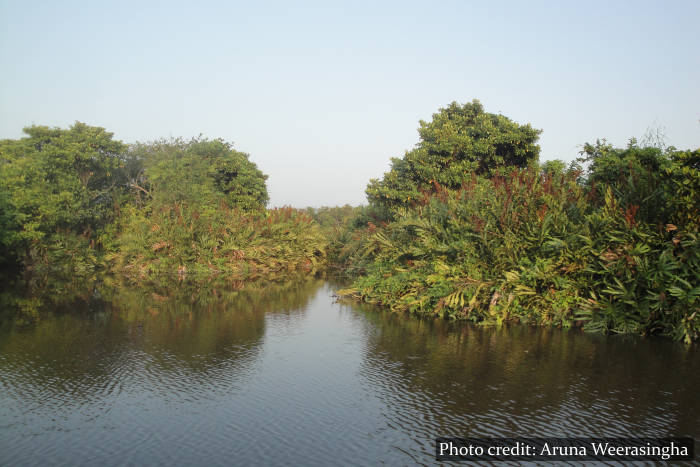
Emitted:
<point x="285" y="376"/>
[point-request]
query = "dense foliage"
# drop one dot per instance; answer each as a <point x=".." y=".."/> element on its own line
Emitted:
<point x="343" y="227"/>
<point x="74" y="202"/>
<point x="201" y="210"/>
<point x="173" y="240"/>
<point x="467" y="225"/>
<point x="615" y="248"/>
<point x="198" y="171"/>
<point x="58" y="189"/>
<point x="459" y="141"/>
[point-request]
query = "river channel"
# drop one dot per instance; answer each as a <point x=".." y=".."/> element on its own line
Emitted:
<point x="286" y="375"/>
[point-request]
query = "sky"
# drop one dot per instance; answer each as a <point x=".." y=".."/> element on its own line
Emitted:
<point x="323" y="94"/>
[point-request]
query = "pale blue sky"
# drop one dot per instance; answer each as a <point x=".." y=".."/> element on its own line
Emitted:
<point x="322" y="94"/>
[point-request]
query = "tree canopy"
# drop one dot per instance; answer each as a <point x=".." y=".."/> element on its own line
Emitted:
<point x="659" y="184"/>
<point x="199" y="171"/>
<point x="461" y="140"/>
<point x="57" y="180"/>
<point x="61" y="189"/>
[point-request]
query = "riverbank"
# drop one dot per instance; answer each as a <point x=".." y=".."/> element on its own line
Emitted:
<point x="468" y="225"/>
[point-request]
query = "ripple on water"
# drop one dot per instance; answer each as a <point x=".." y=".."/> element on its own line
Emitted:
<point x="320" y="384"/>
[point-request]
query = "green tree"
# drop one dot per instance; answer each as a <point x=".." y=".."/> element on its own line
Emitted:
<point x="8" y="228"/>
<point x="56" y="184"/>
<point x="636" y="175"/>
<point x="461" y="140"/>
<point x="199" y="171"/>
<point x="684" y="183"/>
<point x="553" y="167"/>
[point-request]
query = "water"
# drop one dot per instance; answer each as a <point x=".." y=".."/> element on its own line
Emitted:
<point x="283" y="375"/>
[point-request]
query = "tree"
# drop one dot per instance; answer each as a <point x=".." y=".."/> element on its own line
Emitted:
<point x="200" y="171"/>
<point x="684" y="182"/>
<point x="461" y="140"/>
<point x="56" y="183"/>
<point x="636" y="176"/>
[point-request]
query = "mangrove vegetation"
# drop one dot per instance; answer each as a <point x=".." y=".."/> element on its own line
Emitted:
<point x="76" y="202"/>
<point x="469" y="224"/>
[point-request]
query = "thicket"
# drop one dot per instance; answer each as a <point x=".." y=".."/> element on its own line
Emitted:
<point x="614" y="247"/>
<point x="459" y="141"/>
<point x="76" y="202"/>
<point x="343" y="227"/>
<point x="201" y="210"/>
<point x="58" y="191"/>
<point x="467" y="225"/>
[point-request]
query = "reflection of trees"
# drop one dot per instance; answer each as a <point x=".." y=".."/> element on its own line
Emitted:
<point x="188" y="336"/>
<point x="528" y="381"/>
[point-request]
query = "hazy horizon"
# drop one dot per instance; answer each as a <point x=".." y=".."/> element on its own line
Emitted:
<point x="323" y="95"/>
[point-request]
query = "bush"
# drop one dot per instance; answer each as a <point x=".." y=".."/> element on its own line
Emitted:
<point x="58" y="189"/>
<point x="172" y="241"/>
<point x="460" y="140"/>
<point x="614" y="248"/>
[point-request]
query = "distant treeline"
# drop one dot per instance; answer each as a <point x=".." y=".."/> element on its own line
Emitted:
<point x="467" y="225"/>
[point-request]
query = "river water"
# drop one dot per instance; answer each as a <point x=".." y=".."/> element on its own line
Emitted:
<point x="284" y="375"/>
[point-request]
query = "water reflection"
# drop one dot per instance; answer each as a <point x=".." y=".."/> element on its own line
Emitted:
<point x="117" y="353"/>
<point x="452" y="379"/>
<point x="279" y="374"/>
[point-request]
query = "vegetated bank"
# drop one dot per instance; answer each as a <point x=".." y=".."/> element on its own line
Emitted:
<point x="468" y="225"/>
<point x="76" y="202"/>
